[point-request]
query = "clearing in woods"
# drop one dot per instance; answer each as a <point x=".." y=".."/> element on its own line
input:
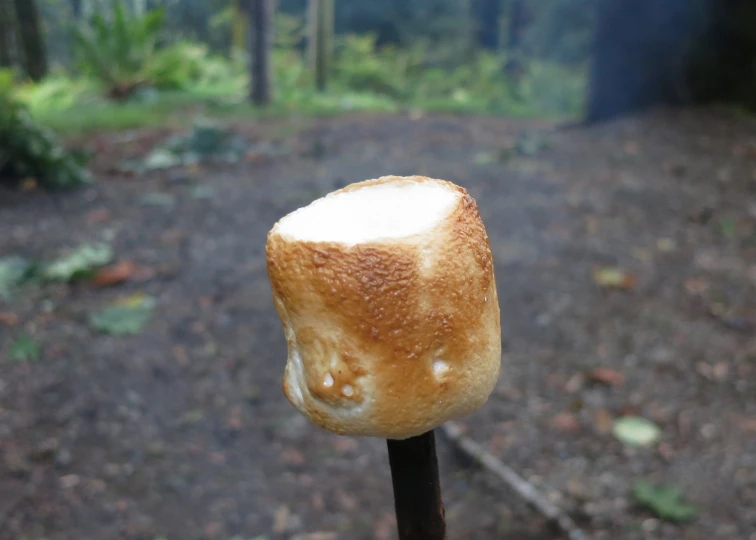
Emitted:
<point x="626" y="263"/>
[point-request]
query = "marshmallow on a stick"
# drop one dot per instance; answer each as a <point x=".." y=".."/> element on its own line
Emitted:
<point x="386" y="292"/>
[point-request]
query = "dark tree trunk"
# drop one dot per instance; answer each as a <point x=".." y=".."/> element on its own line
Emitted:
<point x="724" y="62"/>
<point x="517" y="22"/>
<point x="648" y="53"/>
<point x="261" y="49"/>
<point x="321" y="13"/>
<point x="76" y="10"/>
<point x="488" y="18"/>
<point x="6" y="33"/>
<point x="32" y="39"/>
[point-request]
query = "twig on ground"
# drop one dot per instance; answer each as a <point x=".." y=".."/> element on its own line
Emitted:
<point x="513" y="480"/>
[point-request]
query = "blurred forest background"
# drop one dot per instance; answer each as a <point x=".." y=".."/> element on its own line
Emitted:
<point x="77" y="65"/>
<point x="610" y="146"/>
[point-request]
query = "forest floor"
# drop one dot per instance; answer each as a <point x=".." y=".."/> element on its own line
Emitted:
<point x="182" y="432"/>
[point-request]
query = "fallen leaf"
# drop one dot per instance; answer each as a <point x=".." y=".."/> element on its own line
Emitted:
<point x="747" y="424"/>
<point x="24" y="349"/>
<point x="666" y="245"/>
<point x="99" y="215"/>
<point x="696" y="286"/>
<point x="565" y="422"/>
<point x="292" y="456"/>
<point x="235" y="420"/>
<point x="8" y="319"/>
<point x="727" y="227"/>
<point x="607" y="376"/>
<point x="575" y="384"/>
<point x="281" y="519"/>
<point x="613" y="278"/>
<point x="113" y="274"/>
<point x="29" y="184"/>
<point x="158" y="199"/>
<point x="636" y="431"/>
<point x="603" y="421"/>
<point x="12" y="272"/>
<point x="79" y="262"/>
<point x="202" y="192"/>
<point x="666" y="502"/>
<point x="126" y="316"/>
<point x="346" y="501"/>
<point x="344" y="444"/>
<point x="161" y="159"/>
<point x="69" y="481"/>
<point x="179" y="354"/>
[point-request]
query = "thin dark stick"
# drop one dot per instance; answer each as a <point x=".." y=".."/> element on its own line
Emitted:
<point x="516" y="483"/>
<point x="417" y="490"/>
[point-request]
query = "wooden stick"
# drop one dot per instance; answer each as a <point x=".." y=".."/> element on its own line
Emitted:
<point x="515" y="482"/>
<point x="417" y="490"/>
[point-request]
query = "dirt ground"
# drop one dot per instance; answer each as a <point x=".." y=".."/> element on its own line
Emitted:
<point x="182" y="432"/>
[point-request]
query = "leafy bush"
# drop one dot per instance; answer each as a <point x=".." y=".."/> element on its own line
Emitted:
<point x="362" y="67"/>
<point x="27" y="150"/>
<point x="117" y="50"/>
<point x="190" y="67"/>
<point x="56" y="92"/>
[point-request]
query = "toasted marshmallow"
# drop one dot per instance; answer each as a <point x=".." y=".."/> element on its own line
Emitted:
<point x="387" y="296"/>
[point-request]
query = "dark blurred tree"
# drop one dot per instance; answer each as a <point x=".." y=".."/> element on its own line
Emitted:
<point x="321" y="15"/>
<point x="261" y="50"/>
<point x="76" y="9"/>
<point x="518" y="18"/>
<point x="6" y="33"/>
<point x="487" y="15"/>
<point x="32" y="41"/>
<point x="676" y="52"/>
<point x="724" y="58"/>
<point x="559" y="30"/>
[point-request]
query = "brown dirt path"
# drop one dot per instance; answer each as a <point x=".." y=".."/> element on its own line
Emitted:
<point x="182" y="432"/>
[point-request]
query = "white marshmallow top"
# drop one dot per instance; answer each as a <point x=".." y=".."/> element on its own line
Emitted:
<point x="371" y="213"/>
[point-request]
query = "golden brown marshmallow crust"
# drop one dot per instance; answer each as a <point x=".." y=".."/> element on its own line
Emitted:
<point x="389" y="338"/>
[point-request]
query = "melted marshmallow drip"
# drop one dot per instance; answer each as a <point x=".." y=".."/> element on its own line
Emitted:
<point x="394" y="210"/>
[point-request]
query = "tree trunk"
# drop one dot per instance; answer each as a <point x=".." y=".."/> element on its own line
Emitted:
<point x="641" y="55"/>
<point x="517" y="21"/>
<point x="6" y="33"/>
<point x="724" y="60"/>
<point x="261" y="49"/>
<point x="321" y="40"/>
<point x="76" y="10"/>
<point x="238" y="27"/>
<point x="32" y="40"/>
<point x="488" y="17"/>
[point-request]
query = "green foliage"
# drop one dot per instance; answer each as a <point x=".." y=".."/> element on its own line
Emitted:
<point x="24" y="349"/>
<point x="117" y="50"/>
<point x="13" y="271"/>
<point x="666" y="502"/>
<point x="190" y="67"/>
<point x="79" y="263"/>
<point x="361" y="67"/>
<point x="125" y="317"/>
<point x="28" y="150"/>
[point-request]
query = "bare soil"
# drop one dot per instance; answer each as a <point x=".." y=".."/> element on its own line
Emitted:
<point x="182" y="431"/>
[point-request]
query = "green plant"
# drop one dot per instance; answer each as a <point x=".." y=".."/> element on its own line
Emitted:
<point x="24" y="349"/>
<point x="28" y="150"/>
<point x="118" y="50"/>
<point x="667" y="502"/>
<point x="190" y="67"/>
